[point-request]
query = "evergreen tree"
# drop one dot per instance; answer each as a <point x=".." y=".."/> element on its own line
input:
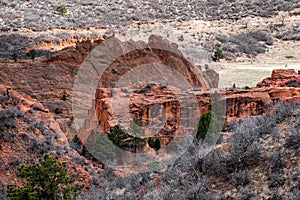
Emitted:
<point x="126" y="141"/>
<point x="45" y="180"/>
<point x="154" y="143"/>
<point x="15" y="56"/>
<point x="218" y="54"/>
<point x="203" y="124"/>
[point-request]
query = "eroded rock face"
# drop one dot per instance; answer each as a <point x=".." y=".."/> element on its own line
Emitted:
<point x="211" y="77"/>
<point x="239" y="103"/>
<point x="281" y="78"/>
<point x="49" y="79"/>
<point x="154" y="57"/>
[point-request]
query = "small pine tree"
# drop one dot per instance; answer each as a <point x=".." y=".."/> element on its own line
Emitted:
<point x="126" y="141"/>
<point x="57" y="111"/>
<point x="208" y="121"/>
<point x="45" y="180"/>
<point x="181" y="38"/>
<point x="31" y="53"/>
<point x="76" y="144"/>
<point x="137" y="142"/>
<point x="64" y="97"/>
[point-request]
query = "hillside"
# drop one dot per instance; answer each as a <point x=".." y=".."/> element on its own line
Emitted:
<point x="82" y="14"/>
<point x="155" y="99"/>
<point x="36" y="118"/>
<point x="254" y="160"/>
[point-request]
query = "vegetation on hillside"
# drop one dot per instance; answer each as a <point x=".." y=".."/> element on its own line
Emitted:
<point x="249" y="156"/>
<point x="45" y="180"/>
<point x="254" y="154"/>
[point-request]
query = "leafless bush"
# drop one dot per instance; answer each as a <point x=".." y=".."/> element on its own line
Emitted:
<point x="15" y="161"/>
<point x="284" y="110"/>
<point x="276" y="195"/>
<point x="7" y="119"/>
<point x="244" y="194"/>
<point x="198" y="191"/>
<point x="241" y="177"/>
<point x="217" y="163"/>
<point x="252" y="43"/>
<point x="293" y="139"/>
<point x="276" y="161"/>
<point x="244" y="148"/>
<point x="275" y="180"/>
<point x="2" y="191"/>
<point x="295" y="191"/>
<point x="41" y="147"/>
<point x="7" y="137"/>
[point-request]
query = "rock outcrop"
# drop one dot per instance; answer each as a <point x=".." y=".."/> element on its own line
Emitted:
<point x="50" y="81"/>
<point x="281" y="78"/>
<point x="239" y="103"/>
<point x="158" y="56"/>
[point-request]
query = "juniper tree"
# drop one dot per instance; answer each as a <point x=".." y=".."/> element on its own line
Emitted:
<point x="45" y="180"/>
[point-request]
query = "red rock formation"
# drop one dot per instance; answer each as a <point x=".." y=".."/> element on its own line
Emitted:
<point x="281" y="78"/>
<point x="211" y="77"/>
<point x="157" y="52"/>
<point x="48" y="78"/>
<point x="239" y="104"/>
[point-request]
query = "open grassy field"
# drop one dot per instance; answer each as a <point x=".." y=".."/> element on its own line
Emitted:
<point x="247" y="74"/>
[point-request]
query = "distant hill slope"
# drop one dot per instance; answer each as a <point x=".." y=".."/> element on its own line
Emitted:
<point x="16" y="14"/>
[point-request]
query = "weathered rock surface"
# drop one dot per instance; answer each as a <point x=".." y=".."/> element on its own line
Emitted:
<point x="50" y="80"/>
<point x="281" y="78"/>
<point x="239" y="103"/>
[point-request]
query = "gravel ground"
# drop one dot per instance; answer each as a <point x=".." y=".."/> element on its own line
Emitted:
<point x="41" y="15"/>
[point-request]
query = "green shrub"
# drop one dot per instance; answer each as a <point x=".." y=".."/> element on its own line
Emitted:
<point x="203" y="124"/>
<point x="31" y="53"/>
<point x="71" y="121"/>
<point x="57" y="111"/>
<point x="62" y="9"/>
<point x="126" y="141"/>
<point x="208" y="122"/>
<point x="15" y="56"/>
<point x="100" y="147"/>
<point x="46" y="179"/>
<point x="218" y="55"/>
<point x="181" y="38"/>
<point x="154" y="143"/>
<point x="64" y="97"/>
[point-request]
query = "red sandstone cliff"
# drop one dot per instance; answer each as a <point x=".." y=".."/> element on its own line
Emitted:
<point x="48" y="79"/>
